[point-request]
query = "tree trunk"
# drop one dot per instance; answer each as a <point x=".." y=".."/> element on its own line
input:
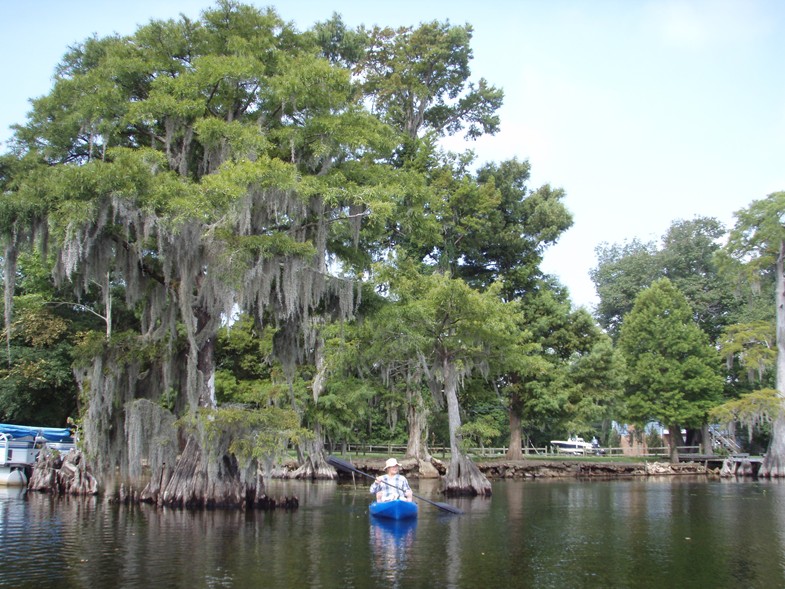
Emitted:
<point x="705" y="439"/>
<point x="417" y="420"/>
<point x="192" y="485"/>
<point x="417" y="444"/>
<point x="313" y="464"/>
<point x="205" y="363"/>
<point x="674" y="441"/>
<point x="514" y="451"/>
<point x="63" y="474"/>
<point x="463" y="477"/>
<point x="774" y="461"/>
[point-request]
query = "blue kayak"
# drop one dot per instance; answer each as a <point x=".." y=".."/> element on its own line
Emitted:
<point x="397" y="509"/>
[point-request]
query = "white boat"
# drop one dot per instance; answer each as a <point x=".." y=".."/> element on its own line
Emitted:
<point x="575" y="446"/>
<point x="16" y="455"/>
<point x="20" y="446"/>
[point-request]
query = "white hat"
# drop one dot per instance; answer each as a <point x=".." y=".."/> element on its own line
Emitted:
<point x="390" y="463"/>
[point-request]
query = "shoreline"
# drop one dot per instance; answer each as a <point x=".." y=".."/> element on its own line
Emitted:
<point x="533" y="469"/>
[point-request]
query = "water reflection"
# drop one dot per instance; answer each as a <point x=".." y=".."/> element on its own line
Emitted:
<point x="641" y="533"/>
<point x="12" y="511"/>
<point x="391" y="544"/>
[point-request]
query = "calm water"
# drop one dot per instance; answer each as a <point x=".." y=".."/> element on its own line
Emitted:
<point x="565" y="534"/>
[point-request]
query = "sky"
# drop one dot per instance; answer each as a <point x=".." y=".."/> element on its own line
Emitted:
<point x="644" y="112"/>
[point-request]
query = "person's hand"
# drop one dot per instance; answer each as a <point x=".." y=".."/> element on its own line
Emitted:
<point x="379" y="480"/>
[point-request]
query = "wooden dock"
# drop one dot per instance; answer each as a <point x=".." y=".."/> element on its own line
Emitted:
<point x="735" y="464"/>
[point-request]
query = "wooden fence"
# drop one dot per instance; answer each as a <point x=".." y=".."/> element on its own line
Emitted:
<point x="443" y="452"/>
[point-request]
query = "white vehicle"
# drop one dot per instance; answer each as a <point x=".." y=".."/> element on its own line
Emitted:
<point x="576" y="446"/>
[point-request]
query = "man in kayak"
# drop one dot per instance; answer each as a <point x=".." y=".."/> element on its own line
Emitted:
<point x="391" y="485"/>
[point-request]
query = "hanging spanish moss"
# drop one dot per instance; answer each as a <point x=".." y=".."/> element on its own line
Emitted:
<point x="150" y="436"/>
<point x="199" y="195"/>
<point x="220" y="463"/>
<point x="184" y="295"/>
<point x="123" y="427"/>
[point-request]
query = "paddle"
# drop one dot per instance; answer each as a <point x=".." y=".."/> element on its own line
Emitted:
<point x="343" y="465"/>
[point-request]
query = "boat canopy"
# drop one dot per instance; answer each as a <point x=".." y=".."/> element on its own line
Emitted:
<point x="50" y="434"/>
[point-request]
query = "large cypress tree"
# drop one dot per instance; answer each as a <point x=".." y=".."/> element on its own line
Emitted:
<point x="201" y="165"/>
<point x="673" y="372"/>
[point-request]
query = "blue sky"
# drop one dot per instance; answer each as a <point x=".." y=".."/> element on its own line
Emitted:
<point x="643" y="111"/>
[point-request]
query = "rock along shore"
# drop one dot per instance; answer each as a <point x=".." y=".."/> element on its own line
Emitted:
<point x="534" y="469"/>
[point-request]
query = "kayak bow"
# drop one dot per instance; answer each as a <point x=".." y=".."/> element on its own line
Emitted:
<point x="396" y="509"/>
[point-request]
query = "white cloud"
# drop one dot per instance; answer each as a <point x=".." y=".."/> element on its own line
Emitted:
<point x="702" y="24"/>
<point x="681" y="25"/>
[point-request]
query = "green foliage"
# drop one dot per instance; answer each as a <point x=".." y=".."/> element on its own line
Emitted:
<point x="613" y="439"/>
<point x="752" y="410"/>
<point x="339" y="44"/>
<point x="479" y="433"/>
<point x="371" y="365"/>
<point x="596" y="393"/>
<point x="653" y="439"/>
<point x="755" y="239"/>
<point x="486" y="423"/>
<point x="37" y="386"/>
<point x="572" y="378"/>
<point x="125" y="347"/>
<point x="231" y="163"/>
<point x="418" y="79"/>
<point x="456" y="323"/>
<point x="246" y="371"/>
<point x="752" y="258"/>
<point x="672" y="371"/>
<point x="345" y="407"/>
<point x="622" y="272"/>
<point x="753" y="345"/>
<point x="257" y="433"/>
<point x="688" y="256"/>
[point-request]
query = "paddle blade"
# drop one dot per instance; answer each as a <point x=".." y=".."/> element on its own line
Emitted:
<point x="347" y="466"/>
<point x="448" y="507"/>
<point x="338" y="463"/>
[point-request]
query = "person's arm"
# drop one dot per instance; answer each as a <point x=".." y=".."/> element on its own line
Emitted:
<point x="407" y="490"/>
<point x="378" y="487"/>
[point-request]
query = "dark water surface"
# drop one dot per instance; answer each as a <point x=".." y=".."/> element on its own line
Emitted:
<point x="670" y="532"/>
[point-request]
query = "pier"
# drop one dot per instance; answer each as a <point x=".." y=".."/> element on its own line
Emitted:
<point x="740" y="464"/>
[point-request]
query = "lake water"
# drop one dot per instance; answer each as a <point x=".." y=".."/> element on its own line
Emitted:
<point x="668" y="532"/>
